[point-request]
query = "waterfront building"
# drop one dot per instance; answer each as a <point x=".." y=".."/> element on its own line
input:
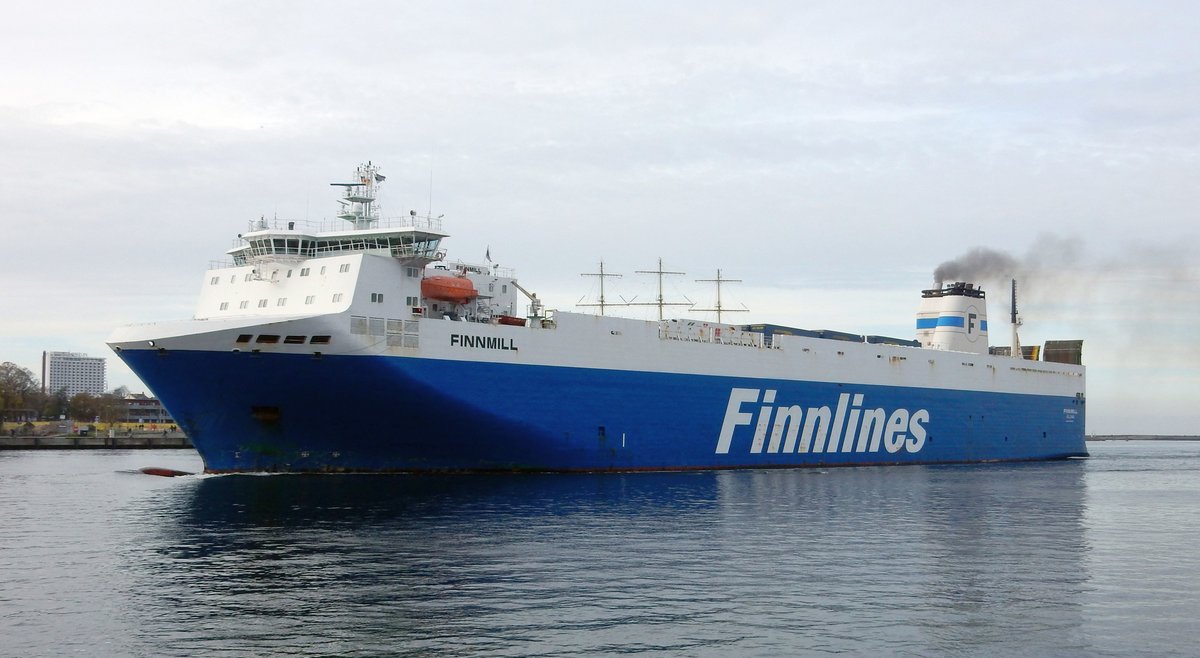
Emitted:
<point x="74" y="372"/>
<point x="142" y="409"/>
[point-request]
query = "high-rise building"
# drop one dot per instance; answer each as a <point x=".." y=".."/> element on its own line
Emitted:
<point x="75" y="372"/>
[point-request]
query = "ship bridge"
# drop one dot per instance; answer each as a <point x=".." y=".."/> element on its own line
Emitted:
<point x="414" y="238"/>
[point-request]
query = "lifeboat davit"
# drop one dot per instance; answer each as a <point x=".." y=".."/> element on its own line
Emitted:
<point x="455" y="289"/>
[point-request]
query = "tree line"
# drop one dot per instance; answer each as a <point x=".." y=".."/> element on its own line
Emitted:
<point x="21" y="394"/>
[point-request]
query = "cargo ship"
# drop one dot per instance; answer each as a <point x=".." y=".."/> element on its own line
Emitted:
<point x="358" y="347"/>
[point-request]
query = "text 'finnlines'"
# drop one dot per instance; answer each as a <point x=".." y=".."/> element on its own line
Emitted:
<point x="848" y="428"/>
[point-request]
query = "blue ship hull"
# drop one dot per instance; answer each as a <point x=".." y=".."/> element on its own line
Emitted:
<point x="296" y="413"/>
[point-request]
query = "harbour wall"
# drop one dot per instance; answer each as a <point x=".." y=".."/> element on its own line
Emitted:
<point x="77" y="441"/>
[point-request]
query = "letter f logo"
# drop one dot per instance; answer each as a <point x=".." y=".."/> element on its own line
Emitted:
<point x="734" y="416"/>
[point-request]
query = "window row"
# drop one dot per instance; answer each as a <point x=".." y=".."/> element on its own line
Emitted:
<point x="397" y="245"/>
<point x="304" y="271"/>
<point x="281" y="301"/>
<point x="271" y="339"/>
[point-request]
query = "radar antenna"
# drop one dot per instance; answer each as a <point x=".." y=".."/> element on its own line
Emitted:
<point x="359" y="205"/>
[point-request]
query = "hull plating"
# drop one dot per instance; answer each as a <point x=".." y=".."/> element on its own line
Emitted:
<point x="279" y="412"/>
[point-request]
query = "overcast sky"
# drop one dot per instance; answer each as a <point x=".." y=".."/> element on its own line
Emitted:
<point x="829" y="155"/>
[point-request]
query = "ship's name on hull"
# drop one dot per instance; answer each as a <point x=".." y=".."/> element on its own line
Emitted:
<point x="482" y="342"/>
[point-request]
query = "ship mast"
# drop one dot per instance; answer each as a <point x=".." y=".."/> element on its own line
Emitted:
<point x="358" y="201"/>
<point x="602" y="275"/>
<point x="720" y="309"/>
<point x="660" y="302"/>
<point x="1016" y="322"/>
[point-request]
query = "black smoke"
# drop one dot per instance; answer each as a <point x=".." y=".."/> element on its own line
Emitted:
<point x="1051" y="259"/>
<point x="976" y="266"/>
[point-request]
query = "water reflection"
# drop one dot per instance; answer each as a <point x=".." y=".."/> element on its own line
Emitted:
<point x="947" y="558"/>
<point x="950" y="559"/>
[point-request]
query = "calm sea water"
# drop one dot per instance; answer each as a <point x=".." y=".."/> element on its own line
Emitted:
<point x="1087" y="557"/>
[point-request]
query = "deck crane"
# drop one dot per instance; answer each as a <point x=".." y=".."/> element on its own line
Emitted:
<point x="535" y="304"/>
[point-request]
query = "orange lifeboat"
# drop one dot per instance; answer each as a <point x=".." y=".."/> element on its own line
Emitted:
<point x="455" y="289"/>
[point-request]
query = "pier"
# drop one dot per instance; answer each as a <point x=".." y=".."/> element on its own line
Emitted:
<point x="144" y="440"/>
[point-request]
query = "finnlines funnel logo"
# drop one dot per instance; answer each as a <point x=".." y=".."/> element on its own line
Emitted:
<point x="848" y="428"/>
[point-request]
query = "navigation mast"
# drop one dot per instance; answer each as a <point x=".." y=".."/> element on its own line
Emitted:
<point x="358" y="201"/>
